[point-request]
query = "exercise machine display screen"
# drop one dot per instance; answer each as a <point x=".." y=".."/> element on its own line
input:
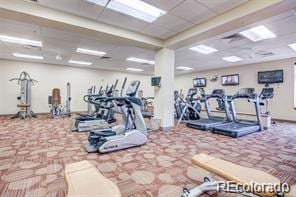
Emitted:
<point x="274" y="76"/>
<point x="199" y="82"/>
<point x="155" y="81"/>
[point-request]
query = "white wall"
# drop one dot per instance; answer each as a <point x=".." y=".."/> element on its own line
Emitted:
<point x="57" y="76"/>
<point x="282" y="105"/>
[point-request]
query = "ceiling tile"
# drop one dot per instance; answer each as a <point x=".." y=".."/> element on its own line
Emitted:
<point x="157" y="31"/>
<point x="77" y="7"/>
<point x="60" y="35"/>
<point x="19" y="29"/>
<point x="173" y="23"/>
<point x="122" y="20"/>
<point x="221" y="6"/>
<point x="192" y="11"/>
<point x="95" y="45"/>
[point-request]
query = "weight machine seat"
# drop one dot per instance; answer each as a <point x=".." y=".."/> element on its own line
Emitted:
<point x="56" y="96"/>
<point x="23" y="105"/>
<point x="83" y="179"/>
<point x="234" y="172"/>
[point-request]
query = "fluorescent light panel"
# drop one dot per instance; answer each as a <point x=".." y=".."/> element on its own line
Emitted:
<point x="203" y="49"/>
<point x="134" y="8"/>
<point x="134" y="69"/>
<point x="99" y="2"/>
<point x="184" y="68"/>
<point x="232" y="59"/>
<point x="80" y="62"/>
<point x="258" y="33"/>
<point x="20" y="41"/>
<point x="28" y="56"/>
<point x="293" y="46"/>
<point x="134" y="59"/>
<point x="90" y="52"/>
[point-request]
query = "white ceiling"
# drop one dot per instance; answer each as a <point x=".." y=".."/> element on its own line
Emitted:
<point x="56" y="42"/>
<point x="181" y="14"/>
<point x="284" y="26"/>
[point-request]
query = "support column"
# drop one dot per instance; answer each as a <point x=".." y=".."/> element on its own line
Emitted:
<point x="164" y="95"/>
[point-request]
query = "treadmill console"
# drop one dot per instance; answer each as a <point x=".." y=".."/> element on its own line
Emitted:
<point x="133" y="88"/>
<point x="220" y="92"/>
<point x="246" y="91"/>
<point x="192" y="91"/>
<point x="267" y="93"/>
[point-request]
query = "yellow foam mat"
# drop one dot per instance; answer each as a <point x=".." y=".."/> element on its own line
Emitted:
<point x="83" y="180"/>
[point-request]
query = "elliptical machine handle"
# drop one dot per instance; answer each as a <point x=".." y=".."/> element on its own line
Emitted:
<point x="123" y="86"/>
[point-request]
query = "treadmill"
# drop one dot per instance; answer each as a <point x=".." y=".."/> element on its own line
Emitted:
<point x="207" y="123"/>
<point x="239" y="128"/>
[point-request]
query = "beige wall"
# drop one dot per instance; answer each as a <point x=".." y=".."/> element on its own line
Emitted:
<point x="282" y="105"/>
<point x="56" y="76"/>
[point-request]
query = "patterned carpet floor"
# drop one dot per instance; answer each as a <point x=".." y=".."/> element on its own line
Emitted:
<point x="33" y="153"/>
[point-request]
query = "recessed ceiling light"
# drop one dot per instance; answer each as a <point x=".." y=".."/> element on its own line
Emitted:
<point x="134" y="8"/>
<point x="293" y="46"/>
<point x="203" y="49"/>
<point x="20" y="41"/>
<point x="258" y="33"/>
<point x="184" y="68"/>
<point x="28" y="56"/>
<point x="232" y="59"/>
<point x="134" y="59"/>
<point x="80" y="62"/>
<point x="99" y="2"/>
<point x="90" y="52"/>
<point x="59" y="57"/>
<point x="134" y="69"/>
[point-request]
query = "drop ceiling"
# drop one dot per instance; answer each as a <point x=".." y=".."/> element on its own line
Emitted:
<point x="63" y="43"/>
<point x="181" y="14"/>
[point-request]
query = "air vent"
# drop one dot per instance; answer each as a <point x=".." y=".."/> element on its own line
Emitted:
<point x="145" y="64"/>
<point x="264" y="53"/>
<point x="30" y="47"/>
<point x="233" y="38"/>
<point x="32" y="1"/>
<point x="105" y="57"/>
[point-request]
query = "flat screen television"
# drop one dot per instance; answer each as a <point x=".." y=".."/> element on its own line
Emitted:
<point x="199" y="82"/>
<point x="230" y="80"/>
<point x="155" y="81"/>
<point x="272" y="76"/>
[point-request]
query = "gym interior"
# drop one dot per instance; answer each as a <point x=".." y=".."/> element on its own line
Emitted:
<point x="158" y="98"/>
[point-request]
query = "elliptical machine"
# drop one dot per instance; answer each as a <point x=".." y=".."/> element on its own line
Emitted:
<point x="26" y="83"/>
<point x="190" y="107"/>
<point x="104" y="114"/>
<point x="54" y="101"/>
<point x="132" y="133"/>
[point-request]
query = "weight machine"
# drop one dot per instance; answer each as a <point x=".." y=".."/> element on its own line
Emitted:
<point x="26" y="83"/>
<point x="56" y="109"/>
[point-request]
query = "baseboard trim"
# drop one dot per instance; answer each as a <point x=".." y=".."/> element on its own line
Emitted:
<point x="166" y="128"/>
<point x="41" y="113"/>
<point x="282" y="120"/>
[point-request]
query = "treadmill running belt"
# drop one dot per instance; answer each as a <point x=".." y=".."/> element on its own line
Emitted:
<point x="236" y="129"/>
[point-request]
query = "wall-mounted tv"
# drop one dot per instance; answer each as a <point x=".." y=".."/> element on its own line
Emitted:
<point x="155" y="81"/>
<point x="230" y="80"/>
<point x="199" y="82"/>
<point x="272" y="76"/>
